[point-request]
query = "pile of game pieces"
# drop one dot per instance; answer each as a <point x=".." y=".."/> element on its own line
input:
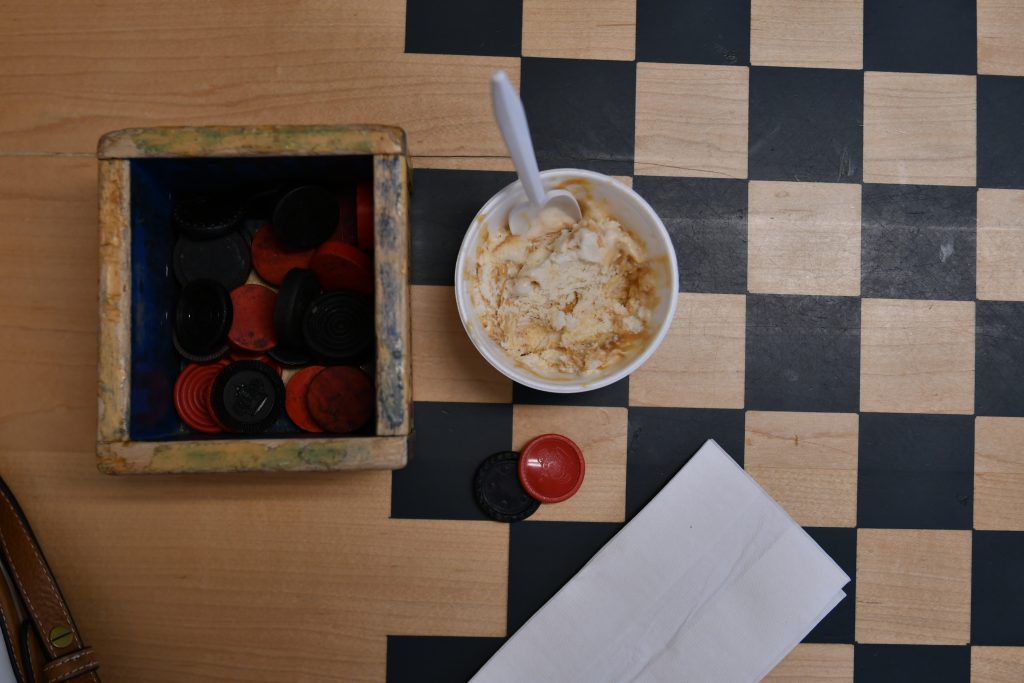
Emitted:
<point x="296" y="292"/>
<point x="511" y="486"/>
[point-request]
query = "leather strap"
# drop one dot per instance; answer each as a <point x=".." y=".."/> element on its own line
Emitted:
<point x="40" y="594"/>
<point x="70" y="666"/>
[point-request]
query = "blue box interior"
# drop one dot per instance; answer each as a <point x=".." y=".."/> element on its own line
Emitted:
<point x="155" y="183"/>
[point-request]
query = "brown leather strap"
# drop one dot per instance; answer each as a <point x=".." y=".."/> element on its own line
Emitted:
<point x="38" y="590"/>
<point x="70" y="666"/>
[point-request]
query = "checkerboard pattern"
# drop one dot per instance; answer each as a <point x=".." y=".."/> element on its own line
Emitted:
<point x="844" y="184"/>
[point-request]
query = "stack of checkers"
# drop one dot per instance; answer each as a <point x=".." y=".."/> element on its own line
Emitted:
<point x="511" y="486"/>
<point x="277" y="320"/>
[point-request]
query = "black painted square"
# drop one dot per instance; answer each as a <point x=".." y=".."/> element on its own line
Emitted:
<point x="1000" y="131"/>
<point x="933" y="36"/>
<point x="999" y="358"/>
<point x="437" y="659"/>
<point x="904" y="663"/>
<point x="997" y="588"/>
<point x="918" y="242"/>
<point x="915" y="471"/>
<point x="581" y="112"/>
<point x="464" y="27"/>
<point x="806" y="124"/>
<point x="693" y="32"/>
<point x="841" y="546"/>
<point x="707" y="219"/>
<point x="451" y="441"/>
<point x="662" y="440"/>
<point x="612" y="396"/>
<point x="803" y="353"/>
<point x="543" y="556"/>
<point x="442" y="206"/>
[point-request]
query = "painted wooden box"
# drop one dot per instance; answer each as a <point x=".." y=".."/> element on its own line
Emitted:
<point x="140" y="172"/>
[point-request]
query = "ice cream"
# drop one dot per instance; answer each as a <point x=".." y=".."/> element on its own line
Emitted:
<point x="564" y="299"/>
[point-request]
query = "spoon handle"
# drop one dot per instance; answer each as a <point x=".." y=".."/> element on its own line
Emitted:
<point x="511" y="117"/>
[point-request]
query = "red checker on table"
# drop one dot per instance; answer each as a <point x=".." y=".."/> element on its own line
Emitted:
<point x="340" y="399"/>
<point x="252" y="328"/>
<point x="295" y="403"/>
<point x="341" y="266"/>
<point x="551" y="468"/>
<point x="272" y="260"/>
<point x="192" y="397"/>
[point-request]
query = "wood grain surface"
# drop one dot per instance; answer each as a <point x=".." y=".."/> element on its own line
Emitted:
<point x="913" y="586"/>
<point x="919" y="128"/>
<point x="260" y="577"/>
<point x="807" y="33"/>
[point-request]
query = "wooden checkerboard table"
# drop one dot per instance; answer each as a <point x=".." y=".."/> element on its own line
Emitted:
<point x="844" y="183"/>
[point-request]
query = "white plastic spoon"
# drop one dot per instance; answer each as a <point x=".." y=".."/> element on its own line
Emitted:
<point x="545" y="210"/>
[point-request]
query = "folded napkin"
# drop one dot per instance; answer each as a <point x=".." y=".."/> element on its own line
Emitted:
<point x="712" y="581"/>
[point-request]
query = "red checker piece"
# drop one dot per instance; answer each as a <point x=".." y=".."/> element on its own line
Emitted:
<point x="364" y="215"/>
<point x="252" y="328"/>
<point x="551" y="468"/>
<point x="272" y="260"/>
<point x="192" y="397"/>
<point x="295" y="398"/>
<point x="341" y="266"/>
<point x="340" y="399"/>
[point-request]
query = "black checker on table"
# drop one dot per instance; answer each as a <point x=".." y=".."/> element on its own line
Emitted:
<point x="918" y="242"/>
<point x="999" y="358"/>
<point x="806" y="124"/>
<point x="451" y="441"/>
<point x="841" y="545"/>
<point x="933" y="36"/>
<point x="915" y="471"/>
<point x="437" y="659"/>
<point x="1000" y="132"/>
<point x="581" y="112"/>
<point x="693" y="32"/>
<point x="662" y="440"/>
<point x="707" y="219"/>
<point x="997" y="588"/>
<point x="615" y="395"/>
<point x="905" y="663"/>
<point x="442" y="206"/>
<point x="464" y="27"/>
<point x="803" y="353"/>
<point x="543" y="556"/>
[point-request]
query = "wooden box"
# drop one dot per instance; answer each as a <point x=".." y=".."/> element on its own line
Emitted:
<point x="140" y="170"/>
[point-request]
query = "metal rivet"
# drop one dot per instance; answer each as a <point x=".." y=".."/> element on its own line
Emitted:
<point x="61" y="636"/>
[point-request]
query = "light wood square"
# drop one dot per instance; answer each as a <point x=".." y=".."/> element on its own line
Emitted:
<point x="1001" y="245"/>
<point x="807" y="33"/>
<point x="919" y="128"/>
<point x="601" y="435"/>
<point x="913" y="586"/>
<point x="1001" y="37"/>
<point x="815" y="663"/>
<point x="807" y="462"/>
<point x="997" y="664"/>
<point x="579" y="29"/>
<point x="445" y="365"/>
<point x="700" y="363"/>
<point x="917" y="356"/>
<point x="999" y="473"/>
<point x="691" y="120"/>
<point x="803" y="238"/>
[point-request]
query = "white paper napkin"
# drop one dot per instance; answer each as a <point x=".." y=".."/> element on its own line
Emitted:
<point x="712" y="581"/>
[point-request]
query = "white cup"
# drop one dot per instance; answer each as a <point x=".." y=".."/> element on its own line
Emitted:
<point x="622" y="204"/>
